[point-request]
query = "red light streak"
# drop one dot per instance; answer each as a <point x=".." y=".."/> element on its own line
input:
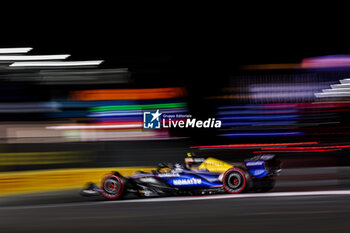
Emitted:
<point x="255" y="145"/>
<point x="293" y="151"/>
<point x="306" y="148"/>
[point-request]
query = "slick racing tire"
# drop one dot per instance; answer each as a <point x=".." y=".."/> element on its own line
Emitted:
<point x="234" y="180"/>
<point x="112" y="187"/>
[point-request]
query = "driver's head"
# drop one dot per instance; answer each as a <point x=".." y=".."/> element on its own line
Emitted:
<point x="189" y="159"/>
<point x="191" y="154"/>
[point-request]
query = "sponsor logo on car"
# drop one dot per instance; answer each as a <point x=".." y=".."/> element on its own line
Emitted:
<point x="168" y="175"/>
<point x="190" y="181"/>
<point x="255" y="163"/>
<point x="258" y="172"/>
<point x="148" y="179"/>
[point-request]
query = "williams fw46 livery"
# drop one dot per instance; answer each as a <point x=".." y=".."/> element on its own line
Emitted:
<point x="198" y="176"/>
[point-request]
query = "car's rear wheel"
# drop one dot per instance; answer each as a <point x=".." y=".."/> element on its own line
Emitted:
<point x="112" y="186"/>
<point x="234" y="180"/>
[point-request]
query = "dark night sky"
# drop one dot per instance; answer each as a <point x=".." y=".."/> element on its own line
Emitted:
<point x="175" y="42"/>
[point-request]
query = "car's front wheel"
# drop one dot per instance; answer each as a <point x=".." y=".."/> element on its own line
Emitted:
<point x="112" y="186"/>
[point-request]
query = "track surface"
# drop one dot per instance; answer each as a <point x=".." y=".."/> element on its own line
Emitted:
<point x="282" y="212"/>
<point x="286" y="209"/>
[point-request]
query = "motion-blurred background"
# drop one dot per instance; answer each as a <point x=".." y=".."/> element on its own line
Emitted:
<point x="71" y="103"/>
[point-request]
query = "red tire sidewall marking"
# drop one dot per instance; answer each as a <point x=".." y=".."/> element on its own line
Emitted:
<point x="243" y="176"/>
<point x="120" y="188"/>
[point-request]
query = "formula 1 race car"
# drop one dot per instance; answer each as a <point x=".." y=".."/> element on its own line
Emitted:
<point x="209" y="177"/>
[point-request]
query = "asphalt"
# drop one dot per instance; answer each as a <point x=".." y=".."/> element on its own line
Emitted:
<point x="254" y="214"/>
<point x="285" y="211"/>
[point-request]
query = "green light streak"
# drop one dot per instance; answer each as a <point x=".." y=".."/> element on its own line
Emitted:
<point x="137" y="107"/>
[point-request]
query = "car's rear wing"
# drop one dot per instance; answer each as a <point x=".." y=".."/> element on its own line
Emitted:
<point x="263" y="165"/>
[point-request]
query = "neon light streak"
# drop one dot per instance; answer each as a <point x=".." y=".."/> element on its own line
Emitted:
<point x="135" y="107"/>
<point x="56" y="63"/>
<point x="257" y="145"/>
<point x="294" y="151"/>
<point x="33" y="57"/>
<point x="307" y="148"/>
<point x="120" y="126"/>
<point x="15" y="50"/>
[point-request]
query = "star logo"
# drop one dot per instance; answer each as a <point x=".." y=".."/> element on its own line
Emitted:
<point x="151" y="120"/>
<point x="156" y="115"/>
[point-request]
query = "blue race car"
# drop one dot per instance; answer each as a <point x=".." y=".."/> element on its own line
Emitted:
<point x="209" y="177"/>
